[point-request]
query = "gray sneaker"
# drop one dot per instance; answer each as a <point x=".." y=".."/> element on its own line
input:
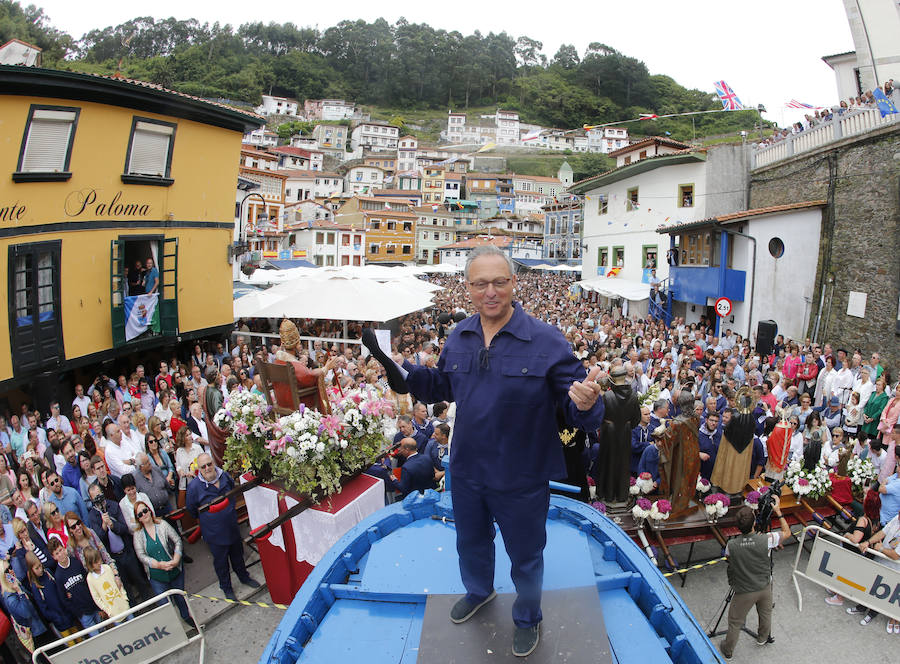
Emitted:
<point x="463" y="609"/>
<point x="525" y="640"/>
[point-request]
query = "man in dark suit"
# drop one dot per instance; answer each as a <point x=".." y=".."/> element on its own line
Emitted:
<point x="35" y="527"/>
<point x="105" y="518"/>
<point x="109" y="485"/>
<point x="418" y="472"/>
<point x="408" y="430"/>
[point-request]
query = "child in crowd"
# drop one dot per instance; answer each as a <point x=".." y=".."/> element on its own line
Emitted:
<point x="105" y="585"/>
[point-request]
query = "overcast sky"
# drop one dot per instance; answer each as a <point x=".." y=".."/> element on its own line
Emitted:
<point x="769" y="51"/>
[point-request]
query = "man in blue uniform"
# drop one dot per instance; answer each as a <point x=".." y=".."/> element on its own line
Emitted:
<point x="219" y="528"/>
<point x="506" y="371"/>
<point x="708" y="438"/>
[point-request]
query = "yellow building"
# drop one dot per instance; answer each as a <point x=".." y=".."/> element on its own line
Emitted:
<point x="390" y="227"/>
<point x="105" y="172"/>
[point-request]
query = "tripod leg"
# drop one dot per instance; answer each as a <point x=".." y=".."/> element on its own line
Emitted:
<point x="722" y="608"/>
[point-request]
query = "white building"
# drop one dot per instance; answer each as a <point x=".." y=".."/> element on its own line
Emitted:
<point x="302" y="185"/>
<point x="374" y="137"/>
<point x="299" y="158"/>
<point x="328" y="244"/>
<point x="17" y="52"/>
<point x="507" y="127"/>
<point x="606" y="139"/>
<point x="261" y="138"/>
<point x="458" y="252"/>
<point x="407" y="147"/>
<point x="874" y="26"/>
<point x="624" y="207"/>
<point x="328" y="110"/>
<point x="777" y="286"/>
<point x="533" y="192"/>
<point x="277" y="106"/>
<point x="533" y="224"/>
<point x="363" y="180"/>
<point x="647" y="147"/>
<point x="434" y="231"/>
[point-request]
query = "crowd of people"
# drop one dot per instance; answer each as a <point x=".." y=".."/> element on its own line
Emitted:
<point x="866" y="100"/>
<point x="87" y="487"/>
<point x="90" y="492"/>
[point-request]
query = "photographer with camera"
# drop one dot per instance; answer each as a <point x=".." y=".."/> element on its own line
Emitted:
<point x="105" y="518"/>
<point x="750" y="575"/>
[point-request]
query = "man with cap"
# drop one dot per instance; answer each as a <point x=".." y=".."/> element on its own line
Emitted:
<point x="831" y="416"/>
<point x="219" y="525"/>
<point x="622" y="415"/>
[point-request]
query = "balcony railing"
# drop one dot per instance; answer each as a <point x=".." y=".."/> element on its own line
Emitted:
<point x="851" y="123"/>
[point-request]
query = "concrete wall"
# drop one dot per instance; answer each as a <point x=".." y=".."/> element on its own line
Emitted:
<point x="726" y="179"/>
<point x="859" y="177"/>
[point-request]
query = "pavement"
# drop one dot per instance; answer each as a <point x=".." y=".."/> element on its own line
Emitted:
<point x="238" y="634"/>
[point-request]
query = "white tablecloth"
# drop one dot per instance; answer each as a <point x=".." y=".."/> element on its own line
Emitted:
<point x="262" y="507"/>
<point x="316" y="530"/>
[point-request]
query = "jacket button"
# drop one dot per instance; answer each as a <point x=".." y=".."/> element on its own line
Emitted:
<point x="455" y="366"/>
<point x="524" y="370"/>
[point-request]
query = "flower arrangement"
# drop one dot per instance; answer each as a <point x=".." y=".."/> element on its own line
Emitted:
<point x="648" y="397"/>
<point x="815" y="483"/>
<point x="306" y="451"/>
<point x="641" y="509"/>
<point x="751" y="500"/>
<point x="660" y="509"/>
<point x="716" y="505"/>
<point x="703" y="485"/>
<point x="644" y="482"/>
<point x="861" y="472"/>
<point x="599" y="506"/>
<point x="633" y="488"/>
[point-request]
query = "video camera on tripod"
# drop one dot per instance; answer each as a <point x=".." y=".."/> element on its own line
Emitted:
<point x="767" y="506"/>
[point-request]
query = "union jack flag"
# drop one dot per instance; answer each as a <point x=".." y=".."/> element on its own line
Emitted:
<point x="728" y="97"/>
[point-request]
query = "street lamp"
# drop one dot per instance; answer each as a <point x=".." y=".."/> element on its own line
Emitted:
<point x="242" y="245"/>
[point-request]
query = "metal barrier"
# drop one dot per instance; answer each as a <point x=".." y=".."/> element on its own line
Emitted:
<point x="852" y="574"/>
<point x="142" y="638"/>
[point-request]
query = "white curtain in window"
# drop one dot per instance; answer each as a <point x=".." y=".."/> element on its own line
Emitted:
<point x="48" y="141"/>
<point x="45" y="285"/>
<point x="22" y="268"/>
<point x="150" y="149"/>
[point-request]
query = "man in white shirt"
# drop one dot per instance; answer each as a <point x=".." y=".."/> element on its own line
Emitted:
<point x="842" y="383"/>
<point x="81" y="400"/>
<point x="119" y="457"/>
<point x="201" y="436"/>
<point x="130" y="439"/>
<point x="58" y="421"/>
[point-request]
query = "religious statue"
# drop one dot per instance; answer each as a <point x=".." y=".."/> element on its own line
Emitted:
<point x="732" y="469"/>
<point x="573" y="443"/>
<point x="622" y="414"/>
<point x="306" y="377"/>
<point x="679" y="455"/>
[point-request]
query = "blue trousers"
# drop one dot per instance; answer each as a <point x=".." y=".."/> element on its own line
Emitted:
<point x="221" y="554"/>
<point x="177" y="583"/>
<point x="522" y="518"/>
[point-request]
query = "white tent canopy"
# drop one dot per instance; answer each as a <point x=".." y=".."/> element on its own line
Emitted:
<point x="339" y="299"/>
<point x="615" y="287"/>
<point x="442" y="268"/>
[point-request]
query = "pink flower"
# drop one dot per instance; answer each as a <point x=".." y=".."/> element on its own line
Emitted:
<point x="644" y="504"/>
<point x="275" y="446"/>
<point x="663" y="506"/>
<point x="752" y="497"/>
<point x="646" y="476"/>
<point x="803" y="482"/>
<point x="241" y="428"/>
<point x="632" y="481"/>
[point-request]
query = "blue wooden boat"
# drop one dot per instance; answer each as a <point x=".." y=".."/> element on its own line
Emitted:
<point x="369" y="598"/>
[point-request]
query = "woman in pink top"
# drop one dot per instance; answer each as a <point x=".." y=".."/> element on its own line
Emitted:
<point x="792" y="363"/>
<point x="885" y="426"/>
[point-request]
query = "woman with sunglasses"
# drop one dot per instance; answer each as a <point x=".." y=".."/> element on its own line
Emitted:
<point x="56" y="525"/>
<point x="159" y="457"/>
<point x="159" y="430"/>
<point x="81" y="538"/>
<point x="159" y="549"/>
<point x="87" y="473"/>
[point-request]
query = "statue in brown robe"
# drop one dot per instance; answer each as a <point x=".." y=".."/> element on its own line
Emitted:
<point x="679" y="456"/>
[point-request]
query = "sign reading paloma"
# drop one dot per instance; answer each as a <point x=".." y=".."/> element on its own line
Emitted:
<point x="87" y="201"/>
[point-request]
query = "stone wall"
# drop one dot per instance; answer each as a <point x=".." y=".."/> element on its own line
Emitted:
<point x="859" y="177"/>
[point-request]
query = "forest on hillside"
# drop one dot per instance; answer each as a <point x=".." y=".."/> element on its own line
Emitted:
<point x="404" y="65"/>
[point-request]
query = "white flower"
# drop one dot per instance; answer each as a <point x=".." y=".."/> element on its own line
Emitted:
<point x="320" y="447"/>
<point x="292" y="452"/>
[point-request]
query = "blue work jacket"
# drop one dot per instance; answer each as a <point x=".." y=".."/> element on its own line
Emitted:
<point x="220" y="527"/>
<point x="505" y="434"/>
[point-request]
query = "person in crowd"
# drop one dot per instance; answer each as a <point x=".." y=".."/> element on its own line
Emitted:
<point x="439" y="446"/>
<point x="64" y="497"/>
<point x="218" y="526"/>
<point x="110" y="485"/>
<point x="29" y="627"/>
<point x="159" y="548"/>
<point x="750" y="576"/>
<point x="47" y="598"/>
<point x="71" y="583"/>
<point x="26" y="545"/>
<point x="150" y="482"/>
<point x="161" y="460"/>
<point x="107" y="589"/>
<point x="417" y="472"/>
<point x="873" y="409"/>
<point x="132" y="496"/>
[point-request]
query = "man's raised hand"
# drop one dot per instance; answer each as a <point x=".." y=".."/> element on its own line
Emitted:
<point x="584" y="393"/>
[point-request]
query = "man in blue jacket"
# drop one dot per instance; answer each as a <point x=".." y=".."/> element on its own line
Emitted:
<point x="219" y="528"/>
<point x="506" y="371"/>
<point x="418" y="472"/>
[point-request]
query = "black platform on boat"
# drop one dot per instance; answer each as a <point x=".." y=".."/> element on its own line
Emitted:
<point x="573" y="631"/>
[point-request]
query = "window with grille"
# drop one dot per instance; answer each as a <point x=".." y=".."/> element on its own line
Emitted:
<point x="47" y="144"/>
<point x="149" y="159"/>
